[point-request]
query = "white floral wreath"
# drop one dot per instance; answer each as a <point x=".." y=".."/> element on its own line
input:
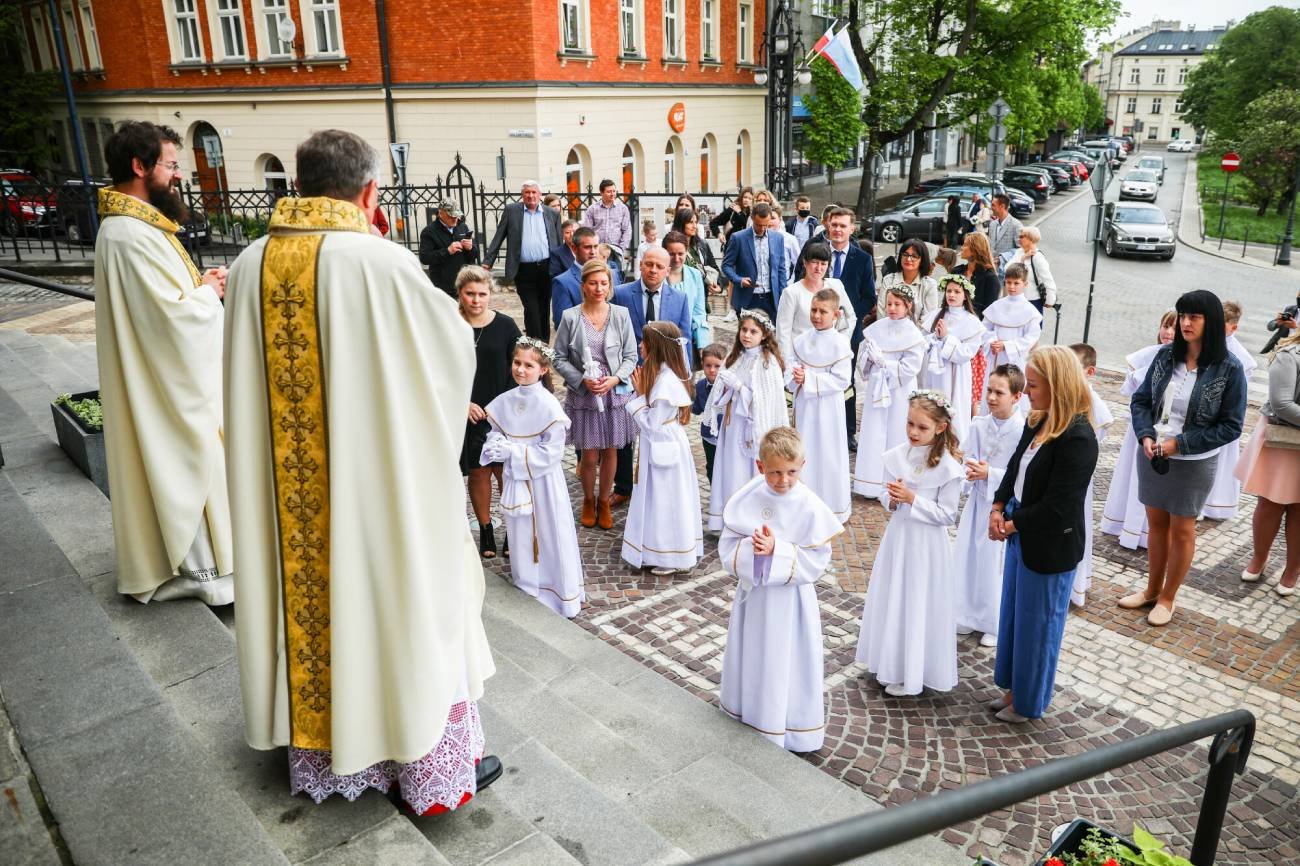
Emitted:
<point x="532" y="343"/>
<point x="903" y="290"/>
<point x="937" y="397"/>
<point x="761" y="317"/>
<point x="967" y="286"/>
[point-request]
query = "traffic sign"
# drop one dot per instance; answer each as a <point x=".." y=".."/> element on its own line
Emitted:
<point x="999" y="109"/>
<point x="1230" y="162"/>
<point x="212" y="150"/>
<point x="998" y="132"/>
<point x="400" y="151"/>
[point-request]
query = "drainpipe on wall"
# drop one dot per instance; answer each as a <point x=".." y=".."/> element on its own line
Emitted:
<point x="92" y="209"/>
<point x="381" y="14"/>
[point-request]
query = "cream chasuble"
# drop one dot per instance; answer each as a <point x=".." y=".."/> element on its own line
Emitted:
<point x="158" y="337"/>
<point x="361" y="592"/>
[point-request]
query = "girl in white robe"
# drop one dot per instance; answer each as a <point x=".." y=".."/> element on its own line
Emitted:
<point x="772" y="669"/>
<point x="889" y="357"/>
<point x="1221" y="504"/>
<point x="747" y="400"/>
<point x="1122" y="514"/>
<point x="908" y="637"/>
<point x="955" y="335"/>
<point x="528" y="432"/>
<point x="821" y="370"/>
<point x="988" y="448"/>
<point x="663" y="526"/>
<point x="1013" y="326"/>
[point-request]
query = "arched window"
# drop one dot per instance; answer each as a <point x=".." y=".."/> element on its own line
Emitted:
<point x="672" y="164"/>
<point x="575" y="179"/>
<point x="633" y="160"/>
<point x="708" y="147"/>
<point x="742" y="158"/>
<point x="273" y="174"/>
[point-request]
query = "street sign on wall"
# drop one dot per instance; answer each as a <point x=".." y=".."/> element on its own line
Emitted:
<point x="1230" y="162"/>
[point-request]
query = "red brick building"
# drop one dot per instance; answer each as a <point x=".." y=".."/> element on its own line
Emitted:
<point x="571" y="90"/>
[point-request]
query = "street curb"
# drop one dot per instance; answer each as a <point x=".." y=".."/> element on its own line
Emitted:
<point x="1189" y="185"/>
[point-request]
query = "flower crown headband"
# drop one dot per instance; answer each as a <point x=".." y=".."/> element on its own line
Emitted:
<point x="938" y="398"/>
<point x="966" y="285"/>
<point x="903" y="291"/>
<point x="681" y="343"/>
<point x="537" y="345"/>
<point x="761" y="317"/>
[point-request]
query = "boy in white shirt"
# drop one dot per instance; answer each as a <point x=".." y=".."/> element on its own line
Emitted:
<point x="1101" y="421"/>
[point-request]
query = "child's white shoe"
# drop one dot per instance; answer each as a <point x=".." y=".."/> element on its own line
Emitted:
<point x="987" y="639"/>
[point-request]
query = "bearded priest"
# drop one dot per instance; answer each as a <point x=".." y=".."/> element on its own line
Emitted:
<point x="158" y="325"/>
<point x="360" y="594"/>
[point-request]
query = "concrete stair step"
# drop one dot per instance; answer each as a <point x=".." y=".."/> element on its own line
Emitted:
<point x="73" y="356"/>
<point x="40" y="358"/>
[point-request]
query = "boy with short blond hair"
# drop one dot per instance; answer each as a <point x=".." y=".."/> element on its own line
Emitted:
<point x="818" y="372"/>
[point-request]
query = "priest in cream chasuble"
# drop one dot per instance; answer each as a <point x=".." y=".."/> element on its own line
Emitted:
<point x="158" y="327"/>
<point x="360" y="638"/>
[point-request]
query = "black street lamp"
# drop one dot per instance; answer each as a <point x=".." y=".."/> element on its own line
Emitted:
<point x="782" y="43"/>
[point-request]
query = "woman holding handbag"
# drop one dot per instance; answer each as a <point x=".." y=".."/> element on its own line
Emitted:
<point x="1270" y="468"/>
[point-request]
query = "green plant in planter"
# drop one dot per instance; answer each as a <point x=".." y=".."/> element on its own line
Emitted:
<point x="89" y="412"/>
<point x="1097" y="849"/>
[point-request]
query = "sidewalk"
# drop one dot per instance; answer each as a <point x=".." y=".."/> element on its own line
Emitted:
<point x="1190" y="230"/>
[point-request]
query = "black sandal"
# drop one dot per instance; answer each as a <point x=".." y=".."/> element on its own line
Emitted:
<point x="505" y="546"/>
<point x="487" y="544"/>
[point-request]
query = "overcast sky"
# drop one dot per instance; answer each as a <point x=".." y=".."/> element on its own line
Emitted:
<point x="1201" y="13"/>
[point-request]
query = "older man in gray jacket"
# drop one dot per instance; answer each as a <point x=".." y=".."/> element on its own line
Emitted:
<point x="529" y="232"/>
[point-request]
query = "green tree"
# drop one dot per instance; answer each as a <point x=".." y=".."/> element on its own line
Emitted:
<point x="834" y="125"/>
<point x="1260" y="54"/>
<point x="1270" y="146"/>
<point x="25" y="108"/>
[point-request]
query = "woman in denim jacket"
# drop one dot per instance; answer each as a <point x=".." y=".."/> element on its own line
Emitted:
<point x="1191" y="404"/>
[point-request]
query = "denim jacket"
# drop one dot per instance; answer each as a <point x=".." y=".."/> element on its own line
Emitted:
<point x="1215" y="412"/>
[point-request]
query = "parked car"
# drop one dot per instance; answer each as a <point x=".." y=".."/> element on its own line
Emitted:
<point x="920" y="219"/>
<point x="1136" y="229"/>
<point x="26" y="204"/>
<point x="1045" y="173"/>
<point x="1060" y="173"/>
<point x="1180" y="145"/>
<point x="1075" y="170"/>
<point x="1140" y="184"/>
<point x="74" y="215"/>
<point x="1154" y="164"/>
<point x="1029" y="182"/>
<point x="928" y="186"/>
<point x="1083" y="159"/>
<point x="1021" y="204"/>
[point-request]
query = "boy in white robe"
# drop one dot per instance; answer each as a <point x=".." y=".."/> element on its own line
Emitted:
<point x="1221" y="504"/>
<point x="1101" y="421"/>
<point x="1014" y="326"/>
<point x="821" y="370"/>
<point x="776" y="540"/>
<point x="987" y="449"/>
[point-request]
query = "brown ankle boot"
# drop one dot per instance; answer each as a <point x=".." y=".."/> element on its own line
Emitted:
<point x="588" y="518"/>
<point x="605" y="516"/>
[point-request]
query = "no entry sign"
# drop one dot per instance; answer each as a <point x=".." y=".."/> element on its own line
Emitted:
<point x="1230" y="162"/>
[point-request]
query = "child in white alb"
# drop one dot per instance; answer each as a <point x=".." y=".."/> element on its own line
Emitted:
<point x="988" y="448"/>
<point x="663" y="528"/>
<point x="1014" y="326"/>
<point x="821" y="369"/>
<point x="889" y="358"/>
<point x="908" y="637"/>
<point x="528" y="432"/>
<point x="955" y="335"/>
<point x="1221" y="504"/>
<point x="777" y="542"/>
<point x="1101" y="421"/>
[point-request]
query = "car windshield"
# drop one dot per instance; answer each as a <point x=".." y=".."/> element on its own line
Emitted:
<point x="29" y="187"/>
<point x="1146" y="216"/>
<point x="1142" y="176"/>
<point x="1148" y="162"/>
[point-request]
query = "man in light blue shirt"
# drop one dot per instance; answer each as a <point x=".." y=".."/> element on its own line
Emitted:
<point x="529" y="231"/>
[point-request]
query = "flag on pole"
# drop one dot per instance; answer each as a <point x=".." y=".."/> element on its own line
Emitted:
<point x="824" y="41"/>
<point x="839" y="52"/>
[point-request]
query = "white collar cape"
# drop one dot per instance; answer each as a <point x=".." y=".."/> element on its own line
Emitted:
<point x="526" y="411"/>
<point x="799" y="516"/>
<point x="1248" y="363"/>
<point x="669" y="388"/>
<point x="820" y="349"/>
<point x="894" y="335"/>
<point x="1013" y="311"/>
<point x="1142" y="358"/>
<point x="903" y="461"/>
<point x="961" y="324"/>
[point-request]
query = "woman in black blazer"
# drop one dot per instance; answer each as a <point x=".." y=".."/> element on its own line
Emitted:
<point x="1040" y="511"/>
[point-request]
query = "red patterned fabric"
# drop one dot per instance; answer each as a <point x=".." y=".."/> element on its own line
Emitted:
<point x="978" y="367"/>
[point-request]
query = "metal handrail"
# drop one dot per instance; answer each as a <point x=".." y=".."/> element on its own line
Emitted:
<point x="830" y="844"/>
<point x="48" y="285"/>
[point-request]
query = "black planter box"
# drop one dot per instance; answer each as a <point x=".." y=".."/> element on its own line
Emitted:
<point x="1068" y="842"/>
<point x="84" y="447"/>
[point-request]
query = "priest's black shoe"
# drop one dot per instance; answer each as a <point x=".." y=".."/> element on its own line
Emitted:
<point x="487" y="771"/>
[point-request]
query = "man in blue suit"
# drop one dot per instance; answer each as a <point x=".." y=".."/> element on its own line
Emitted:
<point x="754" y="263"/>
<point x="566" y="289"/>
<point x="649" y="299"/>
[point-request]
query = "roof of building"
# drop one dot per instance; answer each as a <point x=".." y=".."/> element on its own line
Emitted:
<point x="1173" y="43"/>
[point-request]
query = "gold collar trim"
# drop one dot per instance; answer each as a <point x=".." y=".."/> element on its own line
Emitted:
<point x="114" y="203"/>
<point x="319" y="213"/>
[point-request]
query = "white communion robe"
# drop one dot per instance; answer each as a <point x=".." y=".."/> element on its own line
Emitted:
<point x="1101" y="421"/>
<point x="1017" y="323"/>
<point x="1221" y="504"/>
<point x="978" y="558"/>
<point x="360" y="589"/>
<point x="1122" y="514"/>
<point x="158" y="337"/>
<point x="827" y="362"/>
<point x="908" y="635"/>
<point x="747" y="400"/>
<point x="772" y="669"/>
<point x="664" y="526"/>
<point x="889" y="358"/>
<point x="947" y="361"/>
<point x="528" y="432"/>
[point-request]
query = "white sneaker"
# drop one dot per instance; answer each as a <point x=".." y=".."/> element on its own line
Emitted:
<point x="730" y="317"/>
<point x="898" y="690"/>
<point x="987" y="639"/>
<point x="962" y="630"/>
<point x="662" y="572"/>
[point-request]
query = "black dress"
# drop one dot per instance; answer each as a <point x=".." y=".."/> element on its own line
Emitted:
<point x="494" y="347"/>
<point x="987" y="288"/>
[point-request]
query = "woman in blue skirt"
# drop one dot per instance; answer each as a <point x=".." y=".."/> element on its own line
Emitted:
<point x="1040" y="511"/>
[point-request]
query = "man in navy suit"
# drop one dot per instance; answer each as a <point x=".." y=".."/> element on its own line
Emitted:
<point x="856" y="269"/>
<point x="562" y="253"/>
<point x="649" y="299"/>
<point x="566" y="289"/>
<point x="754" y="263"/>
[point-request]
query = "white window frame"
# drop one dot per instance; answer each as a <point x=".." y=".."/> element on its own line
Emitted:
<point x="670" y="168"/>
<point x="742" y="157"/>
<point x="46" y="57"/>
<point x="1160" y="75"/>
<point x="71" y="35"/>
<point x="226" y="20"/>
<point x="1153" y="132"/>
<point x="631" y="28"/>
<point x="95" y="58"/>
<point x="674" y="37"/>
<point x="1178" y="106"/>
<point x="745" y="32"/>
<point x="709" y="30"/>
<point x="1182" y="74"/>
<point x="1132" y="105"/>
<point x="575" y="33"/>
<point x="312" y="13"/>
<point x="627" y="165"/>
<point x="1157" y="104"/>
<point x="267" y="21"/>
<point x="184" y="29"/>
<point x="25" y="47"/>
<point x="1135" y="76"/>
<point x="708" y="165"/>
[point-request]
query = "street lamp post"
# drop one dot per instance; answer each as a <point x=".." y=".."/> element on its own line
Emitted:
<point x="782" y="42"/>
<point x="1284" y="254"/>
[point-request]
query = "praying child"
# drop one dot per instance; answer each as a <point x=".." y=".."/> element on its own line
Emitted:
<point x="777" y="542"/>
<point x="1014" y="325"/>
<point x="908" y="637"/>
<point x="1101" y="421"/>
<point x="988" y="447"/>
<point x="821" y="369"/>
<point x="711" y="358"/>
<point x="1222" y="501"/>
<point x="663" y="519"/>
<point x="528" y="433"/>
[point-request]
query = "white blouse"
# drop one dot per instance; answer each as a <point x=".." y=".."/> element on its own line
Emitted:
<point x="1025" y="459"/>
<point x="1181" y="384"/>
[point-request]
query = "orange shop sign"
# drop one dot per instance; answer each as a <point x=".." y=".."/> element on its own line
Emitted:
<point x="677" y="117"/>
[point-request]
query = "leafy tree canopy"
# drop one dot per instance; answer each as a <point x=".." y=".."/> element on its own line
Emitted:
<point x="25" y="108"/>
<point x="1270" y="145"/>
<point x="834" y="126"/>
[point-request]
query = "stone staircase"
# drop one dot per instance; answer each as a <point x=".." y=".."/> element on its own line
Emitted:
<point x="130" y="716"/>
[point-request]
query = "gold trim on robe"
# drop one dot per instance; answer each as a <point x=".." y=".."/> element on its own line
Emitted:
<point x="114" y="203"/>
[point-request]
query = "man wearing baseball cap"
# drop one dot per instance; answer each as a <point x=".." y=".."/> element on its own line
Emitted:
<point x="447" y="245"/>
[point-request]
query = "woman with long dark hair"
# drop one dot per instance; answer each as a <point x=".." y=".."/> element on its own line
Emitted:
<point x="1190" y="405"/>
<point x="915" y="266"/>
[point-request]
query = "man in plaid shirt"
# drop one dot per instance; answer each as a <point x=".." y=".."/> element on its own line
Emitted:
<point x="611" y="219"/>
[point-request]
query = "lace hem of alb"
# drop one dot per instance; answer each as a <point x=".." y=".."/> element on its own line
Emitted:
<point x="443" y="777"/>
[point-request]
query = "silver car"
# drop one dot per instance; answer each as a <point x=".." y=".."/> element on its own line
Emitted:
<point x="1139" y="184"/>
<point x="1136" y="229"/>
<point x="1154" y="164"/>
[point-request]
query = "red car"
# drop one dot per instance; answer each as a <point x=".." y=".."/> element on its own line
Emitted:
<point x="26" y="204"/>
